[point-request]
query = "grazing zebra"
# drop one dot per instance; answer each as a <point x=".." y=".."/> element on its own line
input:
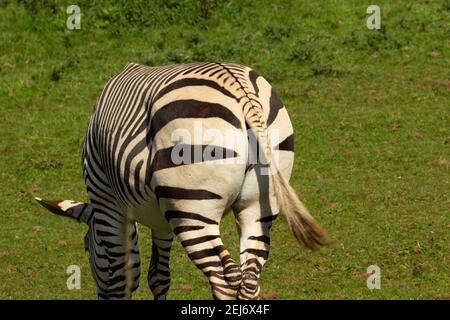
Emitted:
<point x="141" y="164"/>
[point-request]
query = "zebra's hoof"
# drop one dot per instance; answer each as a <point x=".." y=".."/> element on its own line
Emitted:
<point x="250" y="288"/>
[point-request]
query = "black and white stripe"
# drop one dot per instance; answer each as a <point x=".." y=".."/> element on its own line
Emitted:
<point x="131" y="175"/>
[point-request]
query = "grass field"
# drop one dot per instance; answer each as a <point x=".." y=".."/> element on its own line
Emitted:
<point x="371" y="110"/>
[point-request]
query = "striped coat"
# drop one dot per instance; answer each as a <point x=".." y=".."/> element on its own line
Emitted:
<point x="175" y="148"/>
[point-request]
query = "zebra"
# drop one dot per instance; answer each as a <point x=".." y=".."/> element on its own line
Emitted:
<point x="131" y="176"/>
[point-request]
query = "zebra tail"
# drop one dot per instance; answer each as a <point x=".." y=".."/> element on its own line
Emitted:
<point x="301" y="223"/>
<point x="78" y="211"/>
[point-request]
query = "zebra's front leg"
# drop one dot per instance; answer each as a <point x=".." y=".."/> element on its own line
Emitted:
<point x="109" y="253"/>
<point x="159" y="269"/>
<point x="199" y="234"/>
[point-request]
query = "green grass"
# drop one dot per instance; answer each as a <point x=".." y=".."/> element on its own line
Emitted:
<point x="370" y="109"/>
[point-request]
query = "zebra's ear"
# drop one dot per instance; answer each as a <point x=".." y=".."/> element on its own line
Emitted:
<point x="79" y="211"/>
<point x="51" y="205"/>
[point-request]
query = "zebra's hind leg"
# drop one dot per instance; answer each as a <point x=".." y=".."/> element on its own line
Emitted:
<point x="254" y="249"/>
<point x="199" y="233"/>
<point x="108" y="252"/>
<point x="159" y="269"/>
<point x="254" y="217"/>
